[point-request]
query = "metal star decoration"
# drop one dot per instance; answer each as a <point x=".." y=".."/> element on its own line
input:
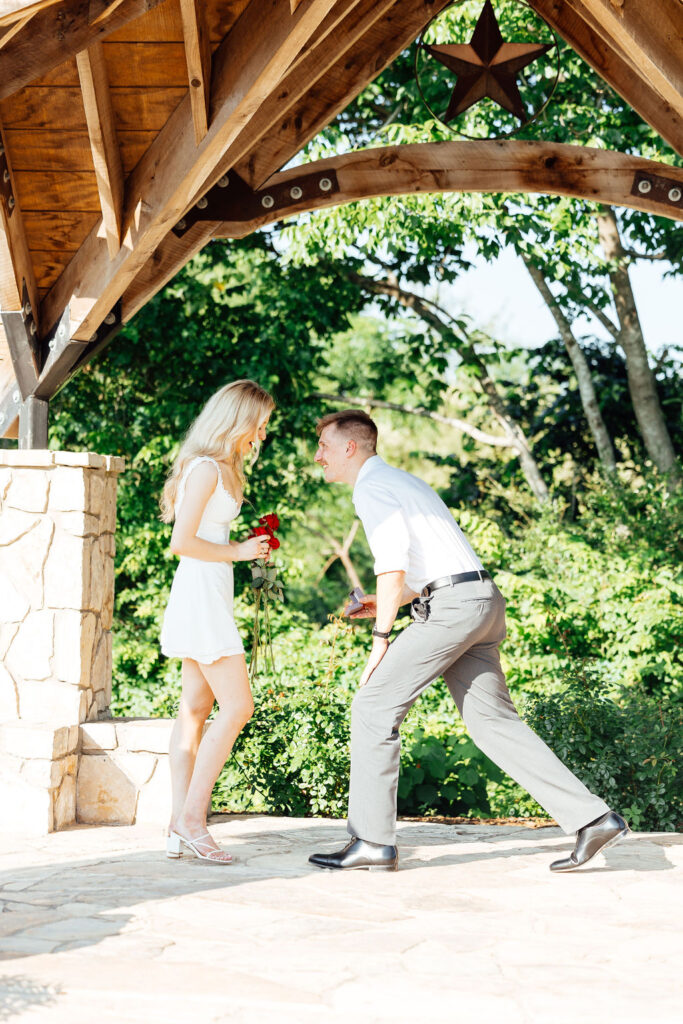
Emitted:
<point x="487" y="66"/>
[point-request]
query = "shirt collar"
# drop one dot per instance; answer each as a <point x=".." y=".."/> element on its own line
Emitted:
<point x="374" y="462"/>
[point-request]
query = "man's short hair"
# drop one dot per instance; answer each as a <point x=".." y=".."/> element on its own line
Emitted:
<point x="356" y="424"/>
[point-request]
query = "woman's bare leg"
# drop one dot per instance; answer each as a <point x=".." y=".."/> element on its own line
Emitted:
<point x="229" y="683"/>
<point x="196" y="702"/>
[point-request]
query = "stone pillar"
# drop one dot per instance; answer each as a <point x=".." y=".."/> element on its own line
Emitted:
<point x="57" y="521"/>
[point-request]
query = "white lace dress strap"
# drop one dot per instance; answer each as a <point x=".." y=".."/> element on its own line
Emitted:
<point x="180" y="494"/>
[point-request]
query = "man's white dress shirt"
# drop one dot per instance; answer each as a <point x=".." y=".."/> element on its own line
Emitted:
<point x="408" y="526"/>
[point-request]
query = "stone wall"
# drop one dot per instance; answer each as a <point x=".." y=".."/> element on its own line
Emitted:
<point x="123" y="773"/>
<point x="57" y="522"/>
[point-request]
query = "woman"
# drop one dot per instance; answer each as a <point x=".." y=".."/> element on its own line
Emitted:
<point x="203" y="494"/>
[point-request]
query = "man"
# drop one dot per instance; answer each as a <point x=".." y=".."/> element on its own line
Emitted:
<point x="422" y="556"/>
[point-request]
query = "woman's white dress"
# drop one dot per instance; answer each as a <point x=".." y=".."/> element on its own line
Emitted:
<point x="199" y="622"/>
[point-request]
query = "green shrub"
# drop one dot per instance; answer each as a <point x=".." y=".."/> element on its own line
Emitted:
<point x="629" y="753"/>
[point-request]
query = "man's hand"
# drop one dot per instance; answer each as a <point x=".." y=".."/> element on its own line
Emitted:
<point x="369" y="610"/>
<point x="379" y="649"/>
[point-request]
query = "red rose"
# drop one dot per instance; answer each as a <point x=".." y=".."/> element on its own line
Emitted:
<point x="274" y="542"/>
<point x="271" y="521"/>
<point x="260" y="531"/>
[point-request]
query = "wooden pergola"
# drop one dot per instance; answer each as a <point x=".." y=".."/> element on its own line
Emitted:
<point x="134" y="131"/>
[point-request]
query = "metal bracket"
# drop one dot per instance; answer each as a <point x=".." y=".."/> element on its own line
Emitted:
<point x="108" y="329"/>
<point x="658" y="189"/>
<point x="10" y="408"/>
<point x="22" y="340"/>
<point x="232" y="200"/>
<point x="6" y="190"/>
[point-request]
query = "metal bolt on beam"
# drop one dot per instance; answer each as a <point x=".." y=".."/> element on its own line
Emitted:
<point x="296" y="192"/>
<point x="644" y="186"/>
<point x="181" y="225"/>
<point x="5" y="175"/>
<point x="268" y="202"/>
<point x="27" y="308"/>
<point x="32" y="328"/>
<point x="325" y="184"/>
<point x="110" y="319"/>
<point x="223" y="182"/>
<point x="202" y="203"/>
<point x="675" y="195"/>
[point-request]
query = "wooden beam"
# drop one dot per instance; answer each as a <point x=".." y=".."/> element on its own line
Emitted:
<point x="649" y="33"/>
<point x="246" y="69"/>
<point x="12" y="11"/>
<point x="15" y="260"/>
<point x="354" y="67"/>
<point x="373" y="34"/>
<point x="56" y="33"/>
<point x="10" y="31"/>
<point x="104" y="144"/>
<point x="198" y="56"/>
<point x="323" y="80"/>
<point x="617" y="66"/>
<point x="550" y="168"/>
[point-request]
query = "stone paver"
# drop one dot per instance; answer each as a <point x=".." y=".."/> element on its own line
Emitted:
<point x="97" y="925"/>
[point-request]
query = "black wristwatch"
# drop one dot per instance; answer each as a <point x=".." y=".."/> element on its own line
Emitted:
<point x="377" y="632"/>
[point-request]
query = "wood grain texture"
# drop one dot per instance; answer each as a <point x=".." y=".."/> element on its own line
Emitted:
<point x="247" y="67"/>
<point x="135" y="108"/>
<point x="650" y="35"/>
<point x="599" y="175"/>
<point x="198" y="57"/>
<point x="57" y="33"/>
<point x="57" y="190"/>
<point x="16" y="266"/>
<point x="616" y="66"/>
<point x="12" y="11"/>
<point x="52" y="231"/>
<point x="104" y="144"/>
<point x="354" y="67"/>
<point x="69" y="151"/>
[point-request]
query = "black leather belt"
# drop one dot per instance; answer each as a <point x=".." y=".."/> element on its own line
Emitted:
<point x="450" y="581"/>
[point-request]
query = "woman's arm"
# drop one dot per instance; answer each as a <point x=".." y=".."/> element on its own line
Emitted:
<point x="200" y="485"/>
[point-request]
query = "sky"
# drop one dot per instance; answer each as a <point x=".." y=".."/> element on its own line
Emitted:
<point x="502" y="299"/>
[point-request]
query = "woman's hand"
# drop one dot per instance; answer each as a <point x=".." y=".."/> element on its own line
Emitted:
<point x="253" y="547"/>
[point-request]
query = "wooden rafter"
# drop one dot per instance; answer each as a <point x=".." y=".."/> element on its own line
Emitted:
<point x="647" y="31"/>
<point x="92" y="72"/>
<point x="649" y="34"/>
<point x="375" y="32"/>
<point x="246" y="68"/>
<point x="17" y="281"/>
<point x="57" y="32"/>
<point x="198" y="56"/>
<point x="12" y="11"/>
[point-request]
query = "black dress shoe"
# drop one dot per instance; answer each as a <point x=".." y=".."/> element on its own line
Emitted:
<point x="591" y="839"/>
<point x="360" y="855"/>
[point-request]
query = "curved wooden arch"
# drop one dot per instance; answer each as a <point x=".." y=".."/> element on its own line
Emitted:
<point x="603" y="176"/>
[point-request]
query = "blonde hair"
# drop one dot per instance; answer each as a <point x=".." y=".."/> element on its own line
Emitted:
<point x="229" y="416"/>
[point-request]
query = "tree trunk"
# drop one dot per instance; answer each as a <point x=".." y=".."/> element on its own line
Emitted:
<point x="589" y="398"/>
<point x="641" y="380"/>
<point x="426" y="310"/>
<point x="341" y="552"/>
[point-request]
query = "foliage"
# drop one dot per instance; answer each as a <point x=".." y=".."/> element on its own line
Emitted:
<point x="629" y="753"/>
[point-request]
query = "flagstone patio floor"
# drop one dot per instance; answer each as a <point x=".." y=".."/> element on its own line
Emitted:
<point x="98" y="926"/>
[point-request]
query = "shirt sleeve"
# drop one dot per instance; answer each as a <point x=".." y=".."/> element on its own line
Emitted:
<point x="385" y="527"/>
